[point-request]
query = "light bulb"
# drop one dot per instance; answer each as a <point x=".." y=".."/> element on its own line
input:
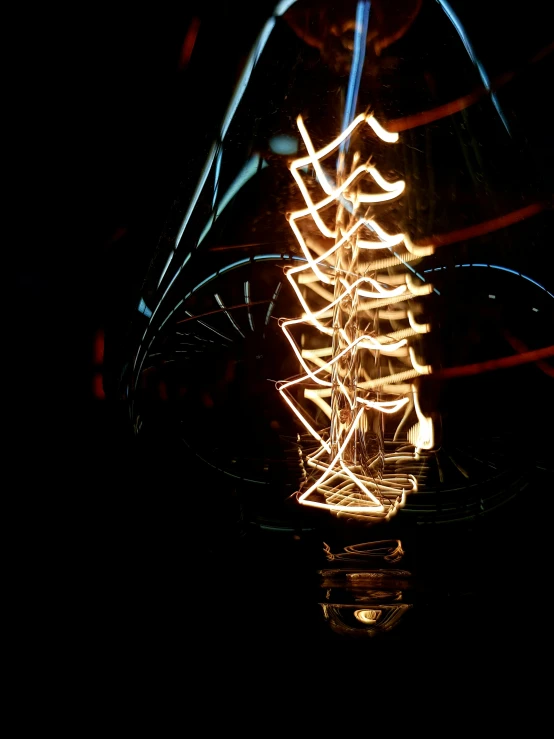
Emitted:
<point x="308" y="287"/>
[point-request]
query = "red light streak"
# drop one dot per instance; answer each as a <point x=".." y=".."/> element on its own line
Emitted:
<point x="442" y="111"/>
<point x="98" y="359"/>
<point x="455" y="106"/>
<point x="221" y="310"/>
<point x="479" y="229"/>
<point x="521" y="348"/>
<point x="246" y="246"/>
<point x="98" y="386"/>
<point x="495" y="364"/>
<point x="99" y="347"/>
<point x="188" y="43"/>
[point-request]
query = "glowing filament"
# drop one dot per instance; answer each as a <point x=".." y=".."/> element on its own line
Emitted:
<point x="340" y="294"/>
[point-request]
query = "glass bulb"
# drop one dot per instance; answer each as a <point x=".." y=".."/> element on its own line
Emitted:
<point x="309" y="301"/>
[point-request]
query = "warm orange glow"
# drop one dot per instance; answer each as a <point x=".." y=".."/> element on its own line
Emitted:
<point x="373" y="621"/>
<point x="389" y="550"/>
<point x="352" y="290"/>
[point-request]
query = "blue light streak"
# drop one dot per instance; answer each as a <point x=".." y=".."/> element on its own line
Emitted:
<point x="217" y="173"/>
<point x="503" y="269"/>
<point x="259" y="46"/>
<point x="165" y="268"/>
<point x="143" y="308"/>
<point x="199" y="188"/>
<point x="246" y="74"/>
<point x="453" y="18"/>
<point x="246" y="173"/>
<point x="358" y="56"/>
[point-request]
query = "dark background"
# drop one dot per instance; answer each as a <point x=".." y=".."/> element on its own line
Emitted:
<point x="111" y="119"/>
<point x="115" y="116"/>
